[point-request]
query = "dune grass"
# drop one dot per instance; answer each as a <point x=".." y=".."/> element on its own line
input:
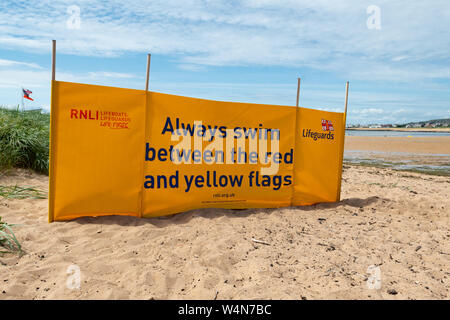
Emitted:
<point x="17" y="192"/>
<point x="24" y="139"/>
<point x="8" y="241"/>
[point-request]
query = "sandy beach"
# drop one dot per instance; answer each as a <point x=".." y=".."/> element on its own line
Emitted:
<point x="421" y="154"/>
<point x="416" y="145"/>
<point x="396" y="221"/>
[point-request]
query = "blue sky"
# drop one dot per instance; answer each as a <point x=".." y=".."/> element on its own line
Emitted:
<point x="397" y="61"/>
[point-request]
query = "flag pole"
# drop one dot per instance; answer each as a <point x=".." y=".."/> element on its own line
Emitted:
<point x="298" y="91"/>
<point x="149" y="57"/>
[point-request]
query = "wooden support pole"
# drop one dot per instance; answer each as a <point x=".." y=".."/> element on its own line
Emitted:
<point x="338" y="198"/>
<point x="298" y="91"/>
<point x="51" y="167"/>
<point x="149" y="57"/>
<point x="346" y="103"/>
<point x="53" y="59"/>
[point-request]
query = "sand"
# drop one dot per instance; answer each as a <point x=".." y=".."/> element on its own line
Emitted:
<point x="421" y="145"/>
<point x="423" y="154"/>
<point x="396" y="221"/>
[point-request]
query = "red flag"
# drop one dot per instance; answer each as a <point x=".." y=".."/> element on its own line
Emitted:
<point x="26" y="94"/>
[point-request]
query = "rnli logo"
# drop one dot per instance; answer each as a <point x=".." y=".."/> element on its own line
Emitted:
<point x="108" y="119"/>
<point x="327" y="125"/>
<point x="326" y="134"/>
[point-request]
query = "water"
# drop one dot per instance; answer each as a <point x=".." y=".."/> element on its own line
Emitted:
<point x="387" y="133"/>
<point x="427" y="163"/>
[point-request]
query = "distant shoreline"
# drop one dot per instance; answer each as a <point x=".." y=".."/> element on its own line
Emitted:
<point x="402" y="129"/>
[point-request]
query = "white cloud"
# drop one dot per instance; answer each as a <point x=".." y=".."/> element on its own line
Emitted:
<point x="13" y="63"/>
<point x="330" y="36"/>
<point x="371" y="111"/>
<point x="15" y="75"/>
<point x="191" y="67"/>
<point x="400" y="58"/>
<point x="13" y="78"/>
<point x="326" y="35"/>
<point x="117" y="75"/>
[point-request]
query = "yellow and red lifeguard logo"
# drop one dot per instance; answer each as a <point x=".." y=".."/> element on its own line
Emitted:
<point x="327" y="125"/>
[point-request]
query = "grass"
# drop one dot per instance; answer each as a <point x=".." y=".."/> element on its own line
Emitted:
<point x="17" y="192"/>
<point x="8" y="240"/>
<point x="24" y="140"/>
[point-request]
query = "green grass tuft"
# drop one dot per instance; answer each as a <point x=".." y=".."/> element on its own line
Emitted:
<point x="16" y="192"/>
<point x="8" y="241"/>
<point x="24" y="140"/>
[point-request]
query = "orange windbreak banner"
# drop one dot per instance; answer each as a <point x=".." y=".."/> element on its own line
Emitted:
<point x="130" y="152"/>
<point x="225" y="175"/>
<point x="96" y="161"/>
<point x="318" y="156"/>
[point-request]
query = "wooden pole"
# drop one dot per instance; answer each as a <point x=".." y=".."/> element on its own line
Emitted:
<point x="149" y="57"/>
<point x="343" y="142"/>
<point x="346" y="103"/>
<point x="298" y="91"/>
<point x="51" y="196"/>
<point x="53" y="59"/>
